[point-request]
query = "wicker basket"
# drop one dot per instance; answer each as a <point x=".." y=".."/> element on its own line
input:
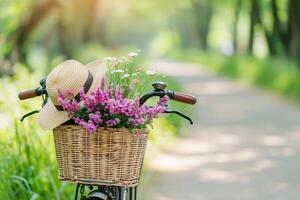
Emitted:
<point x="108" y="157"/>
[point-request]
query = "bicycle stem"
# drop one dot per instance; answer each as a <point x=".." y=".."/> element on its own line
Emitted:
<point x="157" y="93"/>
<point x="160" y="92"/>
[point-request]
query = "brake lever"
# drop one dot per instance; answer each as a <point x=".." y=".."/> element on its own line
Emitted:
<point x="180" y="114"/>
<point x="28" y="114"/>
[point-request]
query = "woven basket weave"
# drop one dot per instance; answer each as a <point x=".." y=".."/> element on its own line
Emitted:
<point x="108" y="157"/>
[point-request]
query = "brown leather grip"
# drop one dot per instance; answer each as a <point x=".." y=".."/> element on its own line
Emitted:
<point x="27" y="94"/>
<point x="184" y="98"/>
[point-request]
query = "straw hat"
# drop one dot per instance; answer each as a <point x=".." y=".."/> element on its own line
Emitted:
<point x="68" y="75"/>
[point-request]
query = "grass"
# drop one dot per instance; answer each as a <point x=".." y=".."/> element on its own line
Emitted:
<point x="28" y="168"/>
<point x="27" y="158"/>
<point x="279" y="75"/>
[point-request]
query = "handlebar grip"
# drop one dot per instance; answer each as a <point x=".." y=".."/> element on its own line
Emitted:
<point x="184" y="98"/>
<point x="27" y="94"/>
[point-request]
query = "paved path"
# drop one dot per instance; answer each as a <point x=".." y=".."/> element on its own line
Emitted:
<point x="245" y="144"/>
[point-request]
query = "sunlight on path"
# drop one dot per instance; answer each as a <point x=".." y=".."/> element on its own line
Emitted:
<point x="245" y="144"/>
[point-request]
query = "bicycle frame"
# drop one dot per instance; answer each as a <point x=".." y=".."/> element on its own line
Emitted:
<point x="105" y="192"/>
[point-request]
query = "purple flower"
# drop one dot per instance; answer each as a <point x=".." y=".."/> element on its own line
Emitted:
<point x="68" y="105"/>
<point x="102" y="87"/>
<point x="89" y="102"/>
<point x="163" y="101"/>
<point x="95" y="118"/>
<point x="90" y="127"/>
<point x="110" y="90"/>
<point x="101" y="107"/>
<point x="118" y="93"/>
<point x="139" y="121"/>
<point x="113" y="122"/>
<point x="78" y="120"/>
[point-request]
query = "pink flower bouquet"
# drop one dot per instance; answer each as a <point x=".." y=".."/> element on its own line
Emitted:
<point x="115" y="103"/>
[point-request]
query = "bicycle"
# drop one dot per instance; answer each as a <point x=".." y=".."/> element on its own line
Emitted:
<point x="103" y="191"/>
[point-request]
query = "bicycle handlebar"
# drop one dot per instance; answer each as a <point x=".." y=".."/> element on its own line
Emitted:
<point x="34" y="92"/>
<point x="177" y="96"/>
<point x="28" y="94"/>
<point x="184" y="98"/>
<point x="160" y="92"/>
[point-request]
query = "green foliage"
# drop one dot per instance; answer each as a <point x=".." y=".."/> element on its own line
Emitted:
<point x="126" y="72"/>
<point x="279" y="75"/>
<point x="27" y="158"/>
<point x="10" y="14"/>
<point x="28" y="166"/>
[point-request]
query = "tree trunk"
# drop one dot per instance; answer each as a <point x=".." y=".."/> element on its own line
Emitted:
<point x="235" y="24"/>
<point x="62" y="35"/>
<point x="294" y="29"/>
<point x="203" y="13"/>
<point x="90" y="19"/>
<point x="279" y="32"/>
<point x="271" y="40"/>
<point x="38" y="13"/>
<point x="276" y="22"/>
<point x="206" y="28"/>
<point x="253" y="20"/>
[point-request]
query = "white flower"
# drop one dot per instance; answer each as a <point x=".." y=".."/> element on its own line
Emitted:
<point x="132" y="54"/>
<point x="125" y="76"/>
<point x="117" y="71"/>
<point x="111" y="59"/>
<point x="115" y="63"/>
<point x="124" y="60"/>
<point x="150" y="72"/>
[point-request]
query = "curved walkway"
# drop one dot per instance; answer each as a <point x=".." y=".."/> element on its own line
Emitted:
<point x="245" y="144"/>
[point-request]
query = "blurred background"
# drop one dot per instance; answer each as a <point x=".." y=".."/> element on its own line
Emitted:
<point x="60" y="29"/>
<point x="256" y="42"/>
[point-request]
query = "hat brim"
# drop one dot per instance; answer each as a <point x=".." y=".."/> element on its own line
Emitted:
<point x="49" y="117"/>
